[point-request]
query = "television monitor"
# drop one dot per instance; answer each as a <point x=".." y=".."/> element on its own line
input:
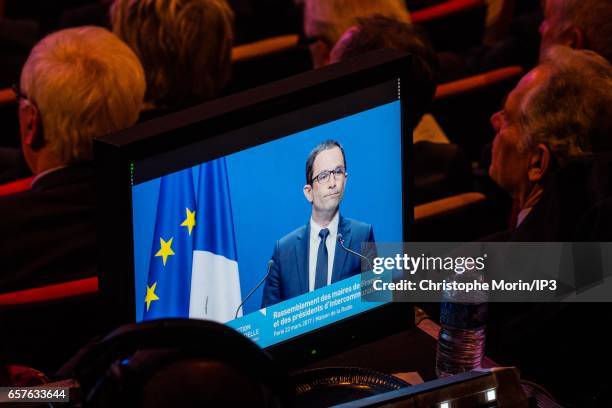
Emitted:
<point x="200" y="206"/>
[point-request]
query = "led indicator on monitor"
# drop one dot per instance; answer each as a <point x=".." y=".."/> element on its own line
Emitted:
<point x="131" y="173"/>
<point x="399" y="88"/>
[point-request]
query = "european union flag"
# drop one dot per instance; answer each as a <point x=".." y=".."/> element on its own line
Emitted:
<point x="169" y="279"/>
<point x="215" y="281"/>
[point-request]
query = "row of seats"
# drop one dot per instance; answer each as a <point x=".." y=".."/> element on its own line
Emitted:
<point x="284" y="52"/>
<point x="50" y="336"/>
<point x="423" y="214"/>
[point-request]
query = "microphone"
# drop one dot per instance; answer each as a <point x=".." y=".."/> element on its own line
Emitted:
<point x="270" y="263"/>
<point x="341" y="241"/>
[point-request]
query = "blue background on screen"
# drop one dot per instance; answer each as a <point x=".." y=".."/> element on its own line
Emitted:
<point x="266" y="182"/>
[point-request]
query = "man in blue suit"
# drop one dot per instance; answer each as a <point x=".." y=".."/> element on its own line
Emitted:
<point x="312" y="256"/>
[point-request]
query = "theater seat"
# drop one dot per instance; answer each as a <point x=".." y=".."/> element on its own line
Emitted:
<point x="463" y="108"/>
<point x="16" y="186"/>
<point x="264" y="47"/>
<point x="7" y="96"/>
<point x="477" y="82"/>
<point x="8" y="119"/>
<point x="459" y="218"/>
<point x="455" y="25"/>
<point x="55" y="292"/>
<point x="440" y="170"/>
<point x="446" y="205"/>
<point x="21" y="376"/>
<point x="43" y="327"/>
<point x="267" y="60"/>
<point x="443" y="10"/>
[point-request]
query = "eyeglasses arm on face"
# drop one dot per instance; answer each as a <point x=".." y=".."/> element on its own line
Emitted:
<point x="18" y="94"/>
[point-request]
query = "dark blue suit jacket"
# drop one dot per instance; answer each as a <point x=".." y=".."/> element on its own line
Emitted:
<point x="289" y="273"/>
<point x="48" y="234"/>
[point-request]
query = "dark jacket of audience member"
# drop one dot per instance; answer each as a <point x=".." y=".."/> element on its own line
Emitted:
<point x="49" y="231"/>
<point x="12" y="165"/>
<point x="76" y="84"/>
<point x="571" y="202"/>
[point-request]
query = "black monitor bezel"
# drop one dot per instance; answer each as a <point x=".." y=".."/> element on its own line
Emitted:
<point x="114" y="153"/>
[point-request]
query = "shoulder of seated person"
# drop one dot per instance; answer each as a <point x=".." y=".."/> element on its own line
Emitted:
<point x="82" y="172"/>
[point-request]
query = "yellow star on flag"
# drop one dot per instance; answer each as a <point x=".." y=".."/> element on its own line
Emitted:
<point x="190" y="221"/>
<point x="166" y="249"/>
<point x="151" y="296"/>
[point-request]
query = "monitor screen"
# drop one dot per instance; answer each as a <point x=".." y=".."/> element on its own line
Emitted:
<point x="203" y="235"/>
<point x="258" y="223"/>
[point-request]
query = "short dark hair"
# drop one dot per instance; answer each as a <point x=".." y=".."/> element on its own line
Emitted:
<point x="326" y="145"/>
<point x="377" y="32"/>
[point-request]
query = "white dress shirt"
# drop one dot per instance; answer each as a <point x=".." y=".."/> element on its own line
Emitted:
<point x="330" y="243"/>
<point x="44" y="173"/>
<point x="522" y="215"/>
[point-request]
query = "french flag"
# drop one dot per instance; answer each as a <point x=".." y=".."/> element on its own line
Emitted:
<point x="215" y="281"/>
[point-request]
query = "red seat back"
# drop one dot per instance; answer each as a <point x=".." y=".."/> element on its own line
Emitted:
<point x="16" y="186"/>
<point x="443" y="10"/>
<point x="7" y="96"/>
<point x="464" y="107"/>
<point x="455" y="25"/>
<point x="476" y="82"/>
<point x="43" y="327"/>
<point x="58" y="291"/>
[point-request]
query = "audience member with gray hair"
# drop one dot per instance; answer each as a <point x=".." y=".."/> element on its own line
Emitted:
<point x="579" y="24"/>
<point x="553" y="122"/>
<point x="184" y="45"/>
<point x="326" y="20"/>
<point x="77" y="84"/>
<point x="553" y="153"/>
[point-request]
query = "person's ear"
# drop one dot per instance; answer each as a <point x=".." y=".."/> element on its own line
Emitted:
<point x="31" y="126"/>
<point x="576" y="38"/>
<point x="308" y="192"/>
<point x="539" y="163"/>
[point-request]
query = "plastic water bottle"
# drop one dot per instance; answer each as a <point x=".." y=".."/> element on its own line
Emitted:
<point x="461" y="342"/>
<point x="463" y="316"/>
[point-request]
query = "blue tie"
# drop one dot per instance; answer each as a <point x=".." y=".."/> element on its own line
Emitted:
<point x="321" y="273"/>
